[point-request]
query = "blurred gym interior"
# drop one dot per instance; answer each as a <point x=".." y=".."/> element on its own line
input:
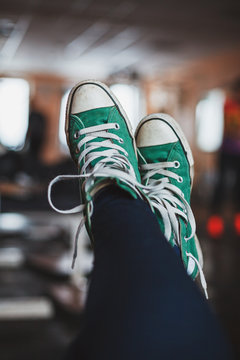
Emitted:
<point x="177" y="57"/>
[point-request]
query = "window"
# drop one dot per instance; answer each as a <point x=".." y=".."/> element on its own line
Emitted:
<point x="131" y="100"/>
<point x="209" y="121"/>
<point x="62" y="136"/>
<point x="14" y="110"/>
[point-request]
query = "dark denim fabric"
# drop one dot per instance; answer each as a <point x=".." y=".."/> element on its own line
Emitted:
<point x="141" y="303"/>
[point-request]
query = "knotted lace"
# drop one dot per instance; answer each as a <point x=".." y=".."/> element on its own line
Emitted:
<point x="169" y="201"/>
<point x="98" y="159"/>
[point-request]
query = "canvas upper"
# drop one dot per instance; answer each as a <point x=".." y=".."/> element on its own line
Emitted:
<point x="102" y="145"/>
<point x="166" y="167"/>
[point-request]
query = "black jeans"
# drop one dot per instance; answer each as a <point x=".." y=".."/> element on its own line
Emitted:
<point x="141" y="303"/>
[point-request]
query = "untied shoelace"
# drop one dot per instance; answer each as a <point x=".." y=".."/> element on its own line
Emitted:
<point x="113" y="163"/>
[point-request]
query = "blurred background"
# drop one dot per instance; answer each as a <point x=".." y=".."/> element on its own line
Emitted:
<point x="179" y="57"/>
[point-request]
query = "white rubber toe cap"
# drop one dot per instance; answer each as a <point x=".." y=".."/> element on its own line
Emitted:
<point x="155" y="132"/>
<point x="89" y="97"/>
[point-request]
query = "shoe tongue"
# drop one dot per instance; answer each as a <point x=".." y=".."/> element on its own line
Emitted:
<point x="95" y="116"/>
<point x="157" y="153"/>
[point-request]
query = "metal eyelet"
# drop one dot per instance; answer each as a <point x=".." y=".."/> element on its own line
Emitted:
<point x="176" y="164"/>
<point x="77" y="150"/>
<point x="180" y="179"/>
<point x="117" y="126"/>
<point x="121" y="141"/>
<point x="76" y="135"/>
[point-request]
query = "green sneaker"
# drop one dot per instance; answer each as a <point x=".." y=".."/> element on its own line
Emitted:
<point x="101" y="144"/>
<point x="166" y="167"/>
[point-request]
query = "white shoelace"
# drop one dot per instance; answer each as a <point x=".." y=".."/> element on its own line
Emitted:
<point x="169" y="201"/>
<point x="112" y="163"/>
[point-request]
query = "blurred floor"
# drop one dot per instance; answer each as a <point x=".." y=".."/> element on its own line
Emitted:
<point x="33" y="339"/>
<point x="221" y="261"/>
<point x="47" y="331"/>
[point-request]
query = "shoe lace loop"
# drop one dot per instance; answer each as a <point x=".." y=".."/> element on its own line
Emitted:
<point x="202" y="277"/>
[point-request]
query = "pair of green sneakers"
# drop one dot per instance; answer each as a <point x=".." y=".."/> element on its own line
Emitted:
<point x="156" y="164"/>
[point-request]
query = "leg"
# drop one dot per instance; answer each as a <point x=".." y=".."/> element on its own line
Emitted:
<point x="141" y="304"/>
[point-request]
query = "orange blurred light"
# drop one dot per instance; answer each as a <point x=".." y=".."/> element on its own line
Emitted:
<point x="237" y="223"/>
<point x="215" y="226"/>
